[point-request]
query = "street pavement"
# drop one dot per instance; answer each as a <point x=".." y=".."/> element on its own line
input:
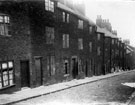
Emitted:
<point x="109" y="91"/>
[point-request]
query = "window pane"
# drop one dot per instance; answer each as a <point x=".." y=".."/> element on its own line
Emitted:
<point x="1" y="19"/>
<point x="63" y="14"/>
<point x="1" y="29"/>
<point x="90" y="46"/>
<point x="80" y="43"/>
<point x="52" y="6"/>
<point x="67" y="40"/>
<point x="67" y="18"/>
<point x="4" y="65"/>
<point x="11" y="74"/>
<point x="5" y="78"/>
<point x="64" y="41"/>
<point x="10" y="64"/>
<point x="6" y="19"/>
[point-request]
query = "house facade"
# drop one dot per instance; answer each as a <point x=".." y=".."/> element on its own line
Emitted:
<point x="46" y="42"/>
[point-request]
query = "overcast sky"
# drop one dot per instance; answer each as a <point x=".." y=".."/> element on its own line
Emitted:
<point x="121" y="14"/>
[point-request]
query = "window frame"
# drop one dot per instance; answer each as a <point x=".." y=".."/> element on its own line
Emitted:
<point x="5" y="27"/>
<point x="49" y="5"/>
<point x="80" y="43"/>
<point x="9" y="79"/>
<point x="65" y="40"/>
<point x="98" y="51"/>
<point x="65" y="17"/>
<point x="90" y="47"/>
<point x="50" y="35"/>
<point x="80" y="24"/>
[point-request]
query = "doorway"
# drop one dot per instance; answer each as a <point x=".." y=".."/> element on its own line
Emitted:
<point x="74" y="67"/>
<point x="25" y="74"/>
<point x="86" y="68"/>
<point x="38" y="69"/>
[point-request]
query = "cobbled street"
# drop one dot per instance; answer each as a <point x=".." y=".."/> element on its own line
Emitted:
<point x="109" y="91"/>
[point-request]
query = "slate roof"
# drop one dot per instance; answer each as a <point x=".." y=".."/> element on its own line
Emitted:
<point x="66" y="8"/>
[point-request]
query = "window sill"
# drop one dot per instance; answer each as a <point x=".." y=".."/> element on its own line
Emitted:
<point x="66" y="75"/>
<point x="6" y="35"/>
<point x="7" y="87"/>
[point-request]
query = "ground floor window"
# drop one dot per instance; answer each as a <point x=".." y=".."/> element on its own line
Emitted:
<point x="6" y="74"/>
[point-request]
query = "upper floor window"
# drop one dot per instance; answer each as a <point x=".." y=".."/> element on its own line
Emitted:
<point x="65" y="17"/>
<point x="49" y="35"/>
<point x="112" y="41"/>
<point x="80" y="44"/>
<point x="80" y="24"/>
<point x="90" y="46"/>
<point x="49" y="5"/>
<point x="4" y="25"/>
<point x="65" y="40"/>
<point x="98" y="36"/>
<point x="98" y="51"/>
<point x="90" y="29"/>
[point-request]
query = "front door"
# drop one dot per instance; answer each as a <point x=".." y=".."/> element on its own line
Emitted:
<point x="25" y="74"/>
<point x="38" y="71"/>
<point x="74" y="67"/>
<point x="86" y="68"/>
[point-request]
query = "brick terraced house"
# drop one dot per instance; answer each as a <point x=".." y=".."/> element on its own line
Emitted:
<point x="47" y="41"/>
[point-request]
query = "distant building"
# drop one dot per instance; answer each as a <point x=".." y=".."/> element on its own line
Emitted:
<point x="126" y="41"/>
<point x="103" y="23"/>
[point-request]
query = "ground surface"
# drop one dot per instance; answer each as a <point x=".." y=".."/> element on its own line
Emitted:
<point x="108" y="92"/>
